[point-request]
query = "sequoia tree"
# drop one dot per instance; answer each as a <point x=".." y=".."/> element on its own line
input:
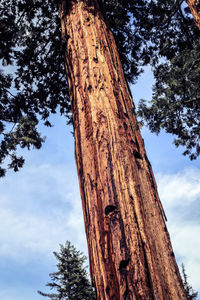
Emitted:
<point x="129" y="246"/>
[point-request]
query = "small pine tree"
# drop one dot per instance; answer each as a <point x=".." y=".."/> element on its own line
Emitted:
<point x="70" y="281"/>
<point x="191" y="294"/>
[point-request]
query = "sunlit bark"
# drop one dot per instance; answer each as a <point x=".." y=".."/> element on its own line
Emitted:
<point x="194" y="6"/>
<point x="129" y="247"/>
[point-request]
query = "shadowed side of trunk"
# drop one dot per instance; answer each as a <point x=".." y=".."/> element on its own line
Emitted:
<point x="194" y="6"/>
<point x="129" y="247"/>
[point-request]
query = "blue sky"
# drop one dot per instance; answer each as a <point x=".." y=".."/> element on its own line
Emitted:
<point x="40" y="207"/>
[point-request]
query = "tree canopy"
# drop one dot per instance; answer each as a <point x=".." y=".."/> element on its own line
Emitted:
<point x="175" y="105"/>
<point x="33" y="82"/>
<point x="71" y="280"/>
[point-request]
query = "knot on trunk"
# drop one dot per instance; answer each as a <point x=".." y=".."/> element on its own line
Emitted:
<point x="109" y="209"/>
<point x="123" y="265"/>
<point x="137" y="154"/>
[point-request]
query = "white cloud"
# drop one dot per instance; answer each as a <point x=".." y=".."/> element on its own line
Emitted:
<point x="186" y="244"/>
<point x="181" y="188"/>
<point x="40" y="210"/>
<point x="180" y="195"/>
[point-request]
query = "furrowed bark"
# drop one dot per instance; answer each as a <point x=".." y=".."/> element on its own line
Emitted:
<point x="129" y="246"/>
<point x="194" y="6"/>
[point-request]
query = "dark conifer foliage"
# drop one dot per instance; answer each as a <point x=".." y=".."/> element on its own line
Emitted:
<point x="191" y="294"/>
<point x="175" y="105"/>
<point x="70" y="281"/>
<point x="33" y="84"/>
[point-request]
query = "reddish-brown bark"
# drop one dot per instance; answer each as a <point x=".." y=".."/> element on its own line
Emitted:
<point x="194" y="6"/>
<point x="129" y="246"/>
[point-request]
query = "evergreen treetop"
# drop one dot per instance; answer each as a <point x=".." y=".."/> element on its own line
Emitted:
<point x="191" y="294"/>
<point x="71" y="280"/>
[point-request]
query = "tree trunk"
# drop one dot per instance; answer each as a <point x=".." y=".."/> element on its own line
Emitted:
<point x="129" y="246"/>
<point x="194" y="6"/>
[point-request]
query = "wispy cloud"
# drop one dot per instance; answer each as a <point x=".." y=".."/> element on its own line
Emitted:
<point x="182" y="188"/>
<point x="42" y="210"/>
<point x="180" y="195"/>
